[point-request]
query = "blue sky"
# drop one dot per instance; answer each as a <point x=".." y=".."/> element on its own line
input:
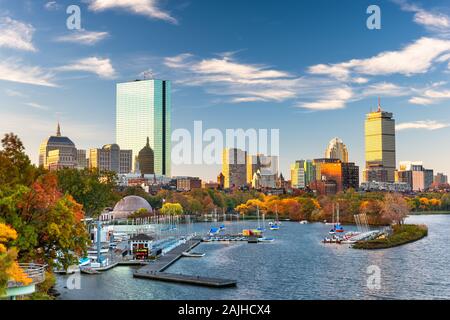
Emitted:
<point x="310" y="68"/>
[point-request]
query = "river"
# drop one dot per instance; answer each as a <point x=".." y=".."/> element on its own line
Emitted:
<point x="296" y="266"/>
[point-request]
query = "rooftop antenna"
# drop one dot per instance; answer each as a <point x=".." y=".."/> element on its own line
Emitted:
<point x="379" y="104"/>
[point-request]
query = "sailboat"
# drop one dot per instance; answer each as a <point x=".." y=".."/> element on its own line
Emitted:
<point x="276" y="224"/>
<point x="336" y="226"/>
<point x="263" y="228"/>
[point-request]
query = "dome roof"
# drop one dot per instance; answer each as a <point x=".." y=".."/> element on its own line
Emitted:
<point x="132" y="204"/>
<point x="59" y="140"/>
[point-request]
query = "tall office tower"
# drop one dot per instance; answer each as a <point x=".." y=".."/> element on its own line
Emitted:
<point x="234" y="168"/>
<point x="337" y="150"/>
<point x="143" y="109"/>
<point x="298" y="179"/>
<point x="57" y="152"/>
<point x="260" y="162"/>
<point x="111" y="158"/>
<point x="380" y="146"/>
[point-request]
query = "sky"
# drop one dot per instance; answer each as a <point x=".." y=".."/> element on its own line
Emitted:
<point x="310" y="68"/>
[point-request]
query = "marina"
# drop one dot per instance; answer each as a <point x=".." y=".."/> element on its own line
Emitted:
<point x="304" y="267"/>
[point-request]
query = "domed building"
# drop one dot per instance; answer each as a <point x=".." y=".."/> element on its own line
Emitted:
<point x="337" y="150"/>
<point x="129" y="205"/>
<point x="146" y="159"/>
<point x="57" y="152"/>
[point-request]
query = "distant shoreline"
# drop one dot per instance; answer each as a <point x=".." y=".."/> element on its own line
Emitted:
<point x="429" y="213"/>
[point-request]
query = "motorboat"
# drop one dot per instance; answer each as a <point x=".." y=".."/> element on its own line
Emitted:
<point x="266" y="239"/>
<point x="304" y="222"/>
<point x="192" y="254"/>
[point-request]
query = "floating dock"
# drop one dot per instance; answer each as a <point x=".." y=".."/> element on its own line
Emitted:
<point x="188" y="279"/>
<point x="155" y="270"/>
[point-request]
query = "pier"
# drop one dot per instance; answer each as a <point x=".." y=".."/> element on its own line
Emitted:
<point x="155" y="270"/>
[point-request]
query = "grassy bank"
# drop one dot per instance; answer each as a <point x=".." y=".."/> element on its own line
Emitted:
<point x="401" y="235"/>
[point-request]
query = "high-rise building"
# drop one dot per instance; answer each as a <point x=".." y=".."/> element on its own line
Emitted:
<point x="234" y="167"/>
<point x="336" y="149"/>
<point x="298" y="177"/>
<point x="440" y="178"/>
<point x="143" y="110"/>
<point x="259" y="162"/>
<point x="111" y="158"/>
<point x="64" y="153"/>
<point x="380" y="146"/>
<point x="415" y="175"/>
<point x="302" y="174"/>
<point x="345" y="175"/>
<point x="82" y="162"/>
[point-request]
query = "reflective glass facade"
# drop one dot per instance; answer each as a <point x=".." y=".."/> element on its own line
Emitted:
<point x="143" y="109"/>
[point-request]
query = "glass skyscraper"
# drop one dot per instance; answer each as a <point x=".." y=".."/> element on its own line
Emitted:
<point x="143" y="110"/>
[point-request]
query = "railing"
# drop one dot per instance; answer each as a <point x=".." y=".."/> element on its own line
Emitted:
<point x="36" y="272"/>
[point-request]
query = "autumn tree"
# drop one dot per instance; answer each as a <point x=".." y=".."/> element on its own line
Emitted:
<point x="394" y="208"/>
<point x="9" y="268"/>
<point x="172" y="209"/>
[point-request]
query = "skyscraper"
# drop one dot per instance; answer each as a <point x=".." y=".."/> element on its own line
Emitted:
<point x="111" y="158"/>
<point x="336" y="149"/>
<point x="380" y="146"/>
<point x="57" y="152"/>
<point x="234" y="167"/>
<point x="143" y="109"/>
<point x="260" y="161"/>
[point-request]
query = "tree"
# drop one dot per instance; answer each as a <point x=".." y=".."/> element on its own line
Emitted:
<point x="172" y="209"/>
<point x="93" y="189"/>
<point x="9" y="268"/>
<point x="394" y="208"/>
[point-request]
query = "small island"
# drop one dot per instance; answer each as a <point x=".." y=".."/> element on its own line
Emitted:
<point x="401" y="234"/>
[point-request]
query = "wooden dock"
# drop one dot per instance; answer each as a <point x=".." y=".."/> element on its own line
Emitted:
<point x="155" y="270"/>
<point x="188" y="279"/>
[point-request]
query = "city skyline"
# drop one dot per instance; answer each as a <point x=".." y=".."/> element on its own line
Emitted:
<point x="57" y="74"/>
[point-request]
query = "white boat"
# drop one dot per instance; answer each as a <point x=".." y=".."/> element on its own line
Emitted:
<point x="304" y="222"/>
<point x="266" y="239"/>
<point x="192" y="254"/>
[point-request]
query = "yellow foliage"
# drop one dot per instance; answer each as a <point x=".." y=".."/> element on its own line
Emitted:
<point x="16" y="273"/>
<point x="13" y="272"/>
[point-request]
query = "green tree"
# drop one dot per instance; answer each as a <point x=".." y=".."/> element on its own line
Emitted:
<point x="93" y="189"/>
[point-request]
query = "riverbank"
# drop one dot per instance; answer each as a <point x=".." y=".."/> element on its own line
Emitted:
<point x="401" y="235"/>
<point x="422" y="213"/>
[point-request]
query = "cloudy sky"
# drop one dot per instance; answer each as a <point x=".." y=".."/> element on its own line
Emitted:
<point x="310" y="68"/>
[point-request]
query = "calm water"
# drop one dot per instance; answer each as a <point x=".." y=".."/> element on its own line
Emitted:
<point x="296" y="266"/>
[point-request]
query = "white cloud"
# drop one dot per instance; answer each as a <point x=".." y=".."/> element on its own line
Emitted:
<point x="425" y="125"/>
<point x="16" y="34"/>
<point x="431" y="96"/>
<point x="415" y="58"/>
<point x="101" y="67"/>
<point x="15" y="71"/>
<point x="335" y="99"/>
<point x="244" y="82"/>
<point x="385" y="89"/>
<point x="433" y="21"/>
<point x="52" y="6"/>
<point x="83" y="37"/>
<point x="14" y="93"/>
<point x="36" y="106"/>
<point x="147" y="8"/>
